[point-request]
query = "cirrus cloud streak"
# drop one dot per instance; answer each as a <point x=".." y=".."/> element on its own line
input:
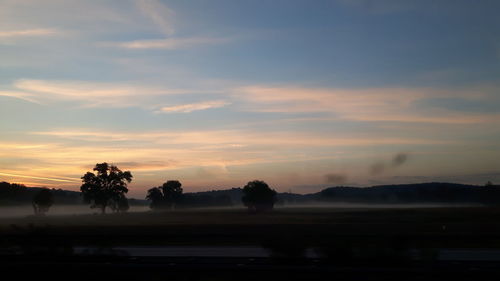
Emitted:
<point x="186" y="108"/>
<point x="28" y="33"/>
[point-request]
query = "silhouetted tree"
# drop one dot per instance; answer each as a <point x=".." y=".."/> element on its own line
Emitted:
<point x="258" y="196"/>
<point x="165" y="196"/>
<point x="108" y="185"/>
<point x="155" y="195"/>
<point x="42" y="201"/>
<point x="172" y="192"/>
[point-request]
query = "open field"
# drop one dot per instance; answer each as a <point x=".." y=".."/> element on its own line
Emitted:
<point x="218" y="244"/>
<point x="422" y="227"/>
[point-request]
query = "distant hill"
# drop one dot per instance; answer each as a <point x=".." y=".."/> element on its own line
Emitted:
<point x="434" y="192"/>
<point x="18" y="194"/>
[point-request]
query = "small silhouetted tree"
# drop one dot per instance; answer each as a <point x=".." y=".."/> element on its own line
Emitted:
<point x="42" y="201"/>
<point x="106" y="186"/>
<point x="155" y="195"/>
<point x="165" y="196"/>
<point x="258" y="196"/>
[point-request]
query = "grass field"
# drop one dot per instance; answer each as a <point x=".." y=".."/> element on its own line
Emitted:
<point x="352" y="243"/>
<point x="304" y="227"/>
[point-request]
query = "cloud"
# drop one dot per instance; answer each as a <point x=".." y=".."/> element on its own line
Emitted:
<point x="28" y="33"/>
<point x="341" y="101"/>
<point x="167" y="43"/>
<point x="214" y="172"/>
<point x="163" y="16"/>
<point x="186" y="108"/>
<point x="82" y="89"/>
<point x="84" y="20"/>
<point x="95" y="94"/>
<point x="20" y="95"/>
<point x="381" y="6"/>
<point x="367" y="105"/>
<point x="40" y="178"/>
<point x="223" y="139"/>
<point x="146" y="165"/>
<point x="159" y="13"/>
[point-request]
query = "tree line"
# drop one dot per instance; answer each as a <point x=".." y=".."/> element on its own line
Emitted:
<point x="18" y="194"/>
<point x="107" y="186"/>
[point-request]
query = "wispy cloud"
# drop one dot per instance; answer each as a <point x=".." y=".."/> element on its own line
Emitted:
<point x="381" y="6"/>
<point x="186" y="108"/>
<point x="375" y="104"/>
<point x="236" y="138"/>
<point x="168" y="43"/>
<point x="301" y="99"/>
<point x="162" y="16"/>
<point x="81" y="89"/>
<point x="405" y="105"/>
<point x="159" y="13"/>
<point x="146" y="165"/>
<point x="89" y="93"/>
<point x="39" y="178"/>
<point x="28" y="32"/>
<point x="20" y="95"/>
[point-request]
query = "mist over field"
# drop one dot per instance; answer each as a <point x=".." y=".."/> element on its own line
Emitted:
<point x="57" y="210"/>
<point x="72" y="210"/>
<point x="346" y="205"/>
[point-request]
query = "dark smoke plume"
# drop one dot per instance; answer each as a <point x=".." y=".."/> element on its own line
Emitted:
<point x="335" y="178"/>
<point x="399" y="159"/>
<point x="381" y="167"/>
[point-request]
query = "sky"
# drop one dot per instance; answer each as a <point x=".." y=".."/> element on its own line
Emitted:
<point x="301" y="94"/>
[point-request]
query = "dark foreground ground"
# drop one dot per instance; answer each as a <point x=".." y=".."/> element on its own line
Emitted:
<point x="291" y="244"/>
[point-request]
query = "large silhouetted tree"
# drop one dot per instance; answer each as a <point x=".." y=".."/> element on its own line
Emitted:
<point x="107" y="186"/>
<point x="258" y="196"/>
<point x="165" y="196"/>
<point x="42" y="201"/>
